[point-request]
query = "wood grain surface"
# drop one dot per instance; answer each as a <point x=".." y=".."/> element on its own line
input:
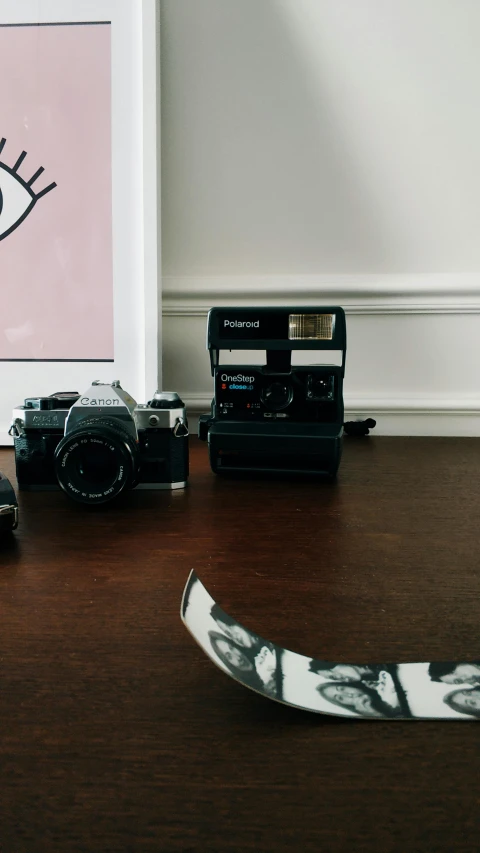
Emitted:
<point x="118" y="734"/>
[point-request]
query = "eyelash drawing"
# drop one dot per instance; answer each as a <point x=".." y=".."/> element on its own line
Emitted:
<point x="17" y="198"/>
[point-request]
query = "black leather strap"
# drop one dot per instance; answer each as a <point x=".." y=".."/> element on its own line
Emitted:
<point x="8" y="505"/>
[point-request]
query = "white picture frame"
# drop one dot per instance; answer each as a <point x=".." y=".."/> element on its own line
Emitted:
<point x="135" y="119"/>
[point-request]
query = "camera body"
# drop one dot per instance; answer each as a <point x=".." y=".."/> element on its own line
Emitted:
<point x="96" y="444"/>
<point x="276" y="417"/>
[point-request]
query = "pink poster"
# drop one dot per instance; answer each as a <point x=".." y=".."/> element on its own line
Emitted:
<point x="56" y="288"/>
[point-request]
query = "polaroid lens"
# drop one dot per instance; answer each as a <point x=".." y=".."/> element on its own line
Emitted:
<point x="96" y="461"/>
<point x="277" y="395"/>
<point x="311" y="327"/>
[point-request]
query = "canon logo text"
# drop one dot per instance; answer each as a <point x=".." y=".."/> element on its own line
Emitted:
<point x="104" y="401"/>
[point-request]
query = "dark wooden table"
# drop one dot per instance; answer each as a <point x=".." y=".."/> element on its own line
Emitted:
<point x="118" y="734"/>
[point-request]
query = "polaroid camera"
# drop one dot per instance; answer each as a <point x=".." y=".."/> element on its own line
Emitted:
<point x="275" y="418"/>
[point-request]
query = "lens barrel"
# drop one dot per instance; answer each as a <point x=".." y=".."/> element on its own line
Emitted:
<point x="96" y="461"/>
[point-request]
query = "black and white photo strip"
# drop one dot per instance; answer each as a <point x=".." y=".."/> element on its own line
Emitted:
<point x="362" y="691"/>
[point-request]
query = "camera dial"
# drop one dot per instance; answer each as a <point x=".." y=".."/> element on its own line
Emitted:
<point x="277" y="395"/>
<point x="165" y="400"/>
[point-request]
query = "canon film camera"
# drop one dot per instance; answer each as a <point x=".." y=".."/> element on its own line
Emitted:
<point x="95" y="445"/>
<point x="8" y="506"/>
<point x="275" y="417"/>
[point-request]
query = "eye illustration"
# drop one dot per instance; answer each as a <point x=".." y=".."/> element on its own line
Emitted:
<point x="17" y="198"/>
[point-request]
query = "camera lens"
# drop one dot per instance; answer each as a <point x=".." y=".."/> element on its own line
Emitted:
<point x="96" y="461"/>
<point x="96" y="465"/>
<point x="277" y="395"/>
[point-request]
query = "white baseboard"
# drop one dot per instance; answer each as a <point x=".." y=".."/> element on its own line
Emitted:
<point x="368" y="405"/>
<point x="192" y="296"/>
<point x="413" y="416"/>
<point x="450" y="347"/>
<point x="400" y="416"/>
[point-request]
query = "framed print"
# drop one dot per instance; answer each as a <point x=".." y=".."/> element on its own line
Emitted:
<point x="79" y="127"/>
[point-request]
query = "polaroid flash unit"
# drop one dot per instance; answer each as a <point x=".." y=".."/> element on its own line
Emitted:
<point x="276" y="418"/>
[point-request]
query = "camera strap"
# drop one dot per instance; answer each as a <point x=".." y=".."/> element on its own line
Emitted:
<point x="8" y="505"/>
<point x="359" y="428"/>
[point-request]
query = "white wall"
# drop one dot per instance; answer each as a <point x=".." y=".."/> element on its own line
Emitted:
<point x="329" y="151"/>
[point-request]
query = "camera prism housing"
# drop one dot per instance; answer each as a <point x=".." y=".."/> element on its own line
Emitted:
<point x="275" y="417"/>
<point x="95" y="445"/>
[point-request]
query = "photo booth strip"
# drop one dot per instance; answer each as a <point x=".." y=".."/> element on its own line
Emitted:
<point x="443" y="691"/>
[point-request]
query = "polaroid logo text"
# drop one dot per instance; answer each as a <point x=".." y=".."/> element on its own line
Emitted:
<point x="106" y="401"/>
<point x="241" y="324"/>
